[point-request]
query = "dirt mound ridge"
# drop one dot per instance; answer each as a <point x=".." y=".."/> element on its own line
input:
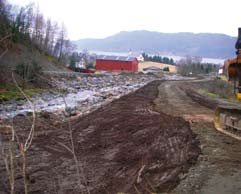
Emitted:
<point x="123" y="147"/>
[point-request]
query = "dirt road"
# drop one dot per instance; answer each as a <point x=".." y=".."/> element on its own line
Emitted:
<point x="218" y="170"/>
<point x="156" y="139"/>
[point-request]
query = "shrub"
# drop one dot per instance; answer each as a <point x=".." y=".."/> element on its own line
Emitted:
<point x="28" y="72"/>
<point x="220" y="88"/>
<point x="223" y="88"/>
<point x="166" y="69"/>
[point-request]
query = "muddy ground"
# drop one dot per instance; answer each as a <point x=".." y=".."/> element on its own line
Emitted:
<point x="125" y="146"/>
<point x="218" y="169"/>
<point x="154" y="140"/>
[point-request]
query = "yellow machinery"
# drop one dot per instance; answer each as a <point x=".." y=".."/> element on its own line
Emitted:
<point x="228" y="117"/>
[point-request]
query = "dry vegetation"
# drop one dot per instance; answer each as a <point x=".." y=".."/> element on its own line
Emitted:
<point x="218" y="88"/>
<point x="141" y="66"/>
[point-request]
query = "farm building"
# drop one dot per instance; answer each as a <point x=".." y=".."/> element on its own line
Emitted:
<point x="116" y="63"/>
<point x="138" y="56"/>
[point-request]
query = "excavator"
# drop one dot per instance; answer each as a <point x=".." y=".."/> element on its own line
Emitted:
<point x="228" y="117"/>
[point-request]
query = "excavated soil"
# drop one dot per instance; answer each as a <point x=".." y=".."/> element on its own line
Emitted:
<point x="159" y="139"/>
<point x="128" y="146"/>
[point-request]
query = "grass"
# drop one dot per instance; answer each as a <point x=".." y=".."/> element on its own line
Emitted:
<point x="141" y="66"/>
<point x="222" y="77"/>
<point x="210" y="94"/>
<point x="213" y="95"/>
<point x="11" y="92"/>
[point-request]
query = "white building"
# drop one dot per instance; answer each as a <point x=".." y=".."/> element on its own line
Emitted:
<point x="139" y="56"/>
<point x="80" y="64"/>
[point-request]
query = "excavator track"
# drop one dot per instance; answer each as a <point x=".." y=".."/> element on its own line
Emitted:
<point x="228" y="120"/>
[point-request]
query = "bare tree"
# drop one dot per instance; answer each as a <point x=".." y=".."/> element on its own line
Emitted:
<point x="29" y="15"/>
<point x="47" y="36"/>
<point x="190" y="60"/>
<point x="79" y="169"/>
<point x="52" y="36"/>
<point x="67" y="50"/>
<point x="9" y="157"/>
<point x="5" y="32"/>
<point x="3" y="15"/>
<point x="24" y="146"/>
<point x="38" y="28"/>
<point x="61" y="40"/>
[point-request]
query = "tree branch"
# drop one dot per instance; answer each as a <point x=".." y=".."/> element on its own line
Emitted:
<point x="28" y="142"/>
<point x="78" y="167"/>
<point x="4" y="52"/>
<point x="65" y="146"/>
<point x="6" y="37"/>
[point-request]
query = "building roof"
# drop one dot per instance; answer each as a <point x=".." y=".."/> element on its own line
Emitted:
<point x="115" y="58"/>
<point x="152" y="68"/>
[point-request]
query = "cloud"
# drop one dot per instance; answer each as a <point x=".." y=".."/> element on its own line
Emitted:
<point x="98" y="19"/>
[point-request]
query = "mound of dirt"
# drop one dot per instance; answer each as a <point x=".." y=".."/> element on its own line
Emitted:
<point x="125" y="146"/>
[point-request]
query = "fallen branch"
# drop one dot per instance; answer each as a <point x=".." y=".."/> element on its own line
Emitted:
<point x="4" y="52"/>
<point x="6" y="37"/>
<point x="65" y="146"/>
<point x="139" y="179"/>
<point x="1" y="40"/>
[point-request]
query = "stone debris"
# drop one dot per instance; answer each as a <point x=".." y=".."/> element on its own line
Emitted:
<point x="80" y="93"/>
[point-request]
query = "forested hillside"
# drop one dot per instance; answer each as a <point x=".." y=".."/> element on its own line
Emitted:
<point x="27" y="38"/>
<point x="203" y="44"/>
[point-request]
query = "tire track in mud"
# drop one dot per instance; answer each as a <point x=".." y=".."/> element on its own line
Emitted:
<point x="217" y="170"/>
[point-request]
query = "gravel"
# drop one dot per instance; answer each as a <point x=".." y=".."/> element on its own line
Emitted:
<point x="81" y="93"/>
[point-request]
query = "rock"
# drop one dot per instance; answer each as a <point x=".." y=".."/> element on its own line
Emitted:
<point x="74" y="113"/>
<point x="106" y="87"/>
<point x="98" y="94"/>
<point x="77" y="87"/>
<point x="51" y="104"/>
<point x="45" y="114"/>
<point x="22" y="114"/>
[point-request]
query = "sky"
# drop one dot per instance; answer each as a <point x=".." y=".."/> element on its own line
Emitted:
<point x="103" y="18"/>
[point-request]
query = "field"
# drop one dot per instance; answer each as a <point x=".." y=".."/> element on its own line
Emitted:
<point x="141" y="66"/>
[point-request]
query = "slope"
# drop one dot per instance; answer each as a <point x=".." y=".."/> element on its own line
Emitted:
<point x="20" y="53"/>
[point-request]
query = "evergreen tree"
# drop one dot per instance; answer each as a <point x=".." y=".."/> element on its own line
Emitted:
<point x="158" y="59"/>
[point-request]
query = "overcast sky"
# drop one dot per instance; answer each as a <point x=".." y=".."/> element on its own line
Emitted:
<point x="102" y="18"/>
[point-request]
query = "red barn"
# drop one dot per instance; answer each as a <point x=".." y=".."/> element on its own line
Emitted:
<point x="116" y="63"/>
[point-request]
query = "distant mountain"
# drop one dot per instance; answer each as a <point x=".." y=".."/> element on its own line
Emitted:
<point x="202" y="44"/>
